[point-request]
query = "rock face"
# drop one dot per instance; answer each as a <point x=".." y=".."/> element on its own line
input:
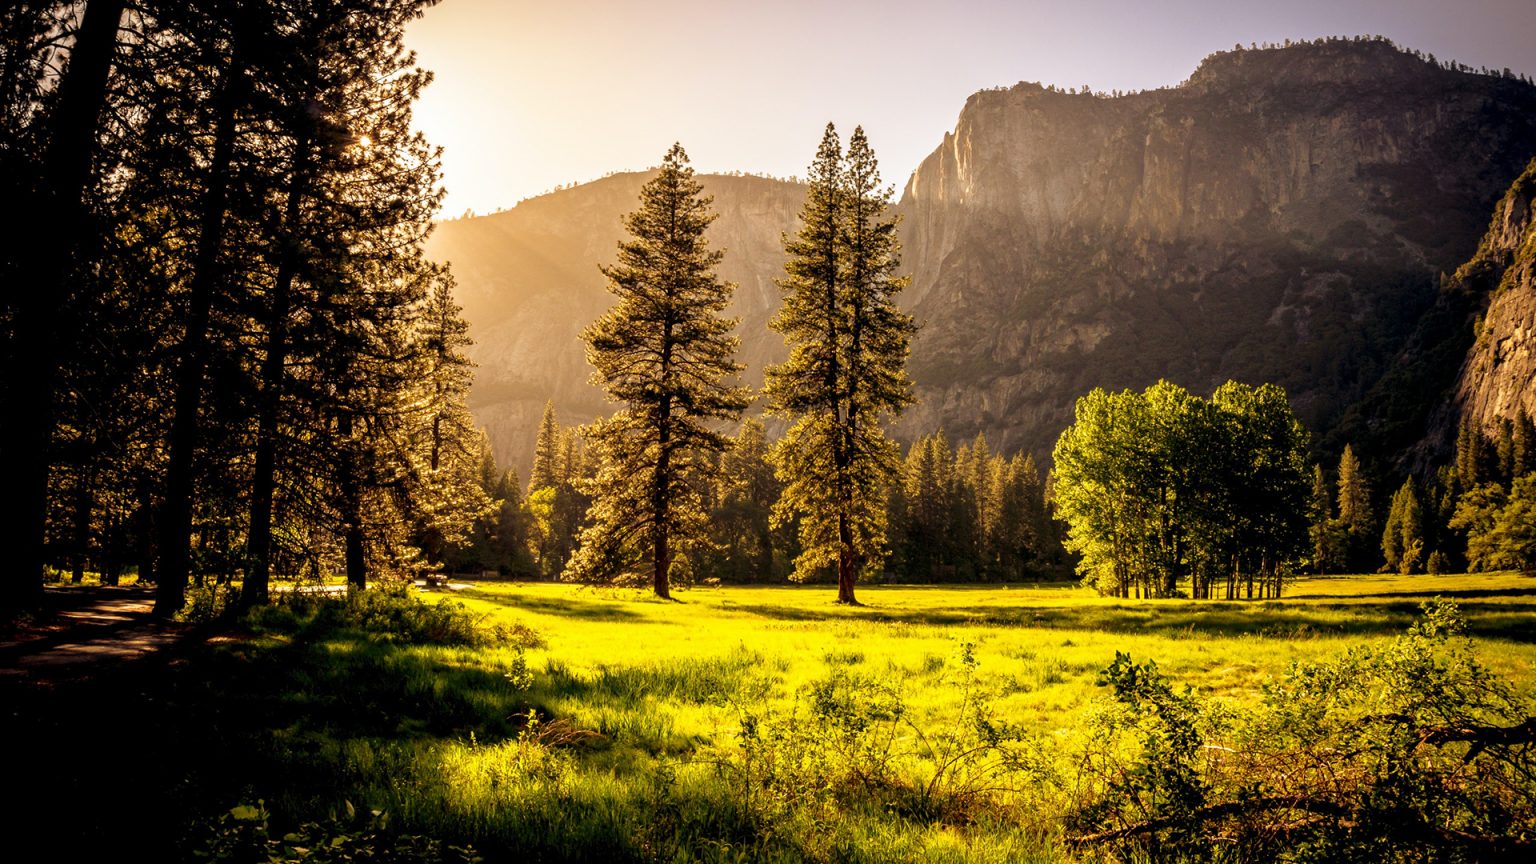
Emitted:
<point x="529" y="282"/>
<point x="1499" y="378"/>
<point x="1284" y="215"/>
<point x="1281" y="216"/>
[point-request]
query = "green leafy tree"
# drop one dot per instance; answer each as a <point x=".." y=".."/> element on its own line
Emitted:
<point x="1161" y="486"/>
<point x="846" y="372"/>
<point x="1500" y="526"/>
<point x="665" y="351"/>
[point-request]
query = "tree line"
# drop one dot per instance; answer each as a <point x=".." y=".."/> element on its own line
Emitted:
<point x="224" y="352"/>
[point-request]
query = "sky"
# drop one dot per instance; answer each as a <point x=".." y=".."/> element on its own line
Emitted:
<point x="533" y="94"/>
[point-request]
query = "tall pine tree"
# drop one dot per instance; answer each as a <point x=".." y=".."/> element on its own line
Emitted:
<point x="846" y="370"/>
<point x="666" y="352"/>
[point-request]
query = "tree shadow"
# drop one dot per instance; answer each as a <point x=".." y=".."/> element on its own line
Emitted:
<point x="585" y="609"/>
<point x="1214" y="619"/>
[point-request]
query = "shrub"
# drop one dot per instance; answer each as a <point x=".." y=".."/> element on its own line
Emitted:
<point x="243" y="834"/>
<point x="393" y="612"/>
<point x="1410" y="751"/>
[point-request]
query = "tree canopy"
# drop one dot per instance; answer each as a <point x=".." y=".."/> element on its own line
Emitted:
<point x="1163" y="488"/>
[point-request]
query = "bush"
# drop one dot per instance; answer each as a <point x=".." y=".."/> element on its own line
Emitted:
<point x="393" y="612"/>
<point x="852" y="743"/>
<point x="210" y="601"/>
<point x="243" y="834"/>
<point x="1412" y="751"/>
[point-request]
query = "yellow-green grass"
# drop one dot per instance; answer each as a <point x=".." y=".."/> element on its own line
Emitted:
<point x="1040" y="647"/>
<point x="642" y="701"/>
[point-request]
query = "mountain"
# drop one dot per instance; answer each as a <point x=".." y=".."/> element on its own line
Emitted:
<point x="1498" y="380"/>
<point x="1281" y="216"/>
<point x="1284" y="215"/>
<point x="529" y="282"/>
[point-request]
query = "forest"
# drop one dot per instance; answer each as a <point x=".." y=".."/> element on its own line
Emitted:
<point x="271" y="597"/>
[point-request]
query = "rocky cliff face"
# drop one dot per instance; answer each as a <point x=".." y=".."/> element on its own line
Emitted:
<point x="1282" y="216"/>
<point x="1499" y="378"/>
<point x="529" y="282"/>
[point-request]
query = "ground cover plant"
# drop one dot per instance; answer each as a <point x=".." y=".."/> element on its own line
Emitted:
<point x="1028" y="722"/>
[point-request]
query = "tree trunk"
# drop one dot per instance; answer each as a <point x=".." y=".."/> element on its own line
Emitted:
<point x="255" y="590"/>
<point x="357" y="564"/>
<point x="847" y="563"/>
<point x="82" y="527"/>
<point x="662" y="562"/>
<point x="176" y="514"/>
<point x="47" y="251"/>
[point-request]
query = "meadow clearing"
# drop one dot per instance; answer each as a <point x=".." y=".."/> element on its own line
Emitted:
<point x="625" y="728"/>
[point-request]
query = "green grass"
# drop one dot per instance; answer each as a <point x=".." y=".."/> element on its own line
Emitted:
<point x="640" y="705"/>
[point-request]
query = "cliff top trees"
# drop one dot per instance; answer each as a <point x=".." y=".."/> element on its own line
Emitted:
<point x="667" y="353"/>
<point x="1162" y="485"/>
<point x="846" y="372"/>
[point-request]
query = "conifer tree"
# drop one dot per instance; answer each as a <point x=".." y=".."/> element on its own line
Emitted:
<point x="546" y="451"/>
<point x="1402" y="538"/>
<point x="1323" y="546"/>
<point x="448" y="447"/>
<point x="1354" y="519"/>
<point x="665" y="351"/>
<point x="846" y="372"/>
<point x="1523" y="445"/>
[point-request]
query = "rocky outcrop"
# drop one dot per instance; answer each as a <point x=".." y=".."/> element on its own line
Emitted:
<point x="529" y="282"/>
<point x="1499" y="378"/>
<point x="1282" y="216"/>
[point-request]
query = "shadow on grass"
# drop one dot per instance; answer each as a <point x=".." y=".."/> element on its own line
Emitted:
<point x="1219" y="619"/>
<point x="583" y="608"/>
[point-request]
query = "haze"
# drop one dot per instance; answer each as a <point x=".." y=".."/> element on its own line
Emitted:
<point x="531" y="95"/>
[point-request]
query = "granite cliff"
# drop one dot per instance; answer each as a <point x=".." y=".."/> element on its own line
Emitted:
<point x="1499" y="378"/>
<point x="1281" y="216"/>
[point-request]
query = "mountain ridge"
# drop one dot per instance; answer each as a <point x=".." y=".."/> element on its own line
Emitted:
<point x="1282" y="215"/>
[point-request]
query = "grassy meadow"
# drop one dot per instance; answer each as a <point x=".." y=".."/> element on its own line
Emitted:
<point x="625" y="728"/>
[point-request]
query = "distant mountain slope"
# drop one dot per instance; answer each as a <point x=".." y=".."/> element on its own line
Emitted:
<point x="1282" y="216"/>
<point x="529" y="282"/>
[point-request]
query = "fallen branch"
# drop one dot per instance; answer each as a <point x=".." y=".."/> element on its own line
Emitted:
<point x="1313" y="806"/>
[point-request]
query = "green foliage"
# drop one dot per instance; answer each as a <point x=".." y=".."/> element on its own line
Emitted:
<point x="393" y="612"/>
<point x="244" y="835"/>
<point x="211" y="601"/>
<point x="852" y="741"/>
<point x="969" y="515"/>
<point x="1402" y="539"/>
<point x="1160" y="486"/>
<point x="1407" y="751"/>
<point x="665" y="351"/>
<point x="1500" y="526"/>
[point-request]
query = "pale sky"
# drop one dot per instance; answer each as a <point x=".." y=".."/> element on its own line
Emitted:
<point x="530" y="95"/>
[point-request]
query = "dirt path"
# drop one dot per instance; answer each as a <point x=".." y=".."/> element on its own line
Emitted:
<point x="81" y="631"/>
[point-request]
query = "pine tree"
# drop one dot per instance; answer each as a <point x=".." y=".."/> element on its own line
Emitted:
<point x="546" y="450"/>
<point x="1323" y="546"/>
<point x="1523" y="445"/>
<point x="665" y="351"/>
<point x="846" y="371"/>
<point x="448" y="498"/>
<point x="1354" y="519"/>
